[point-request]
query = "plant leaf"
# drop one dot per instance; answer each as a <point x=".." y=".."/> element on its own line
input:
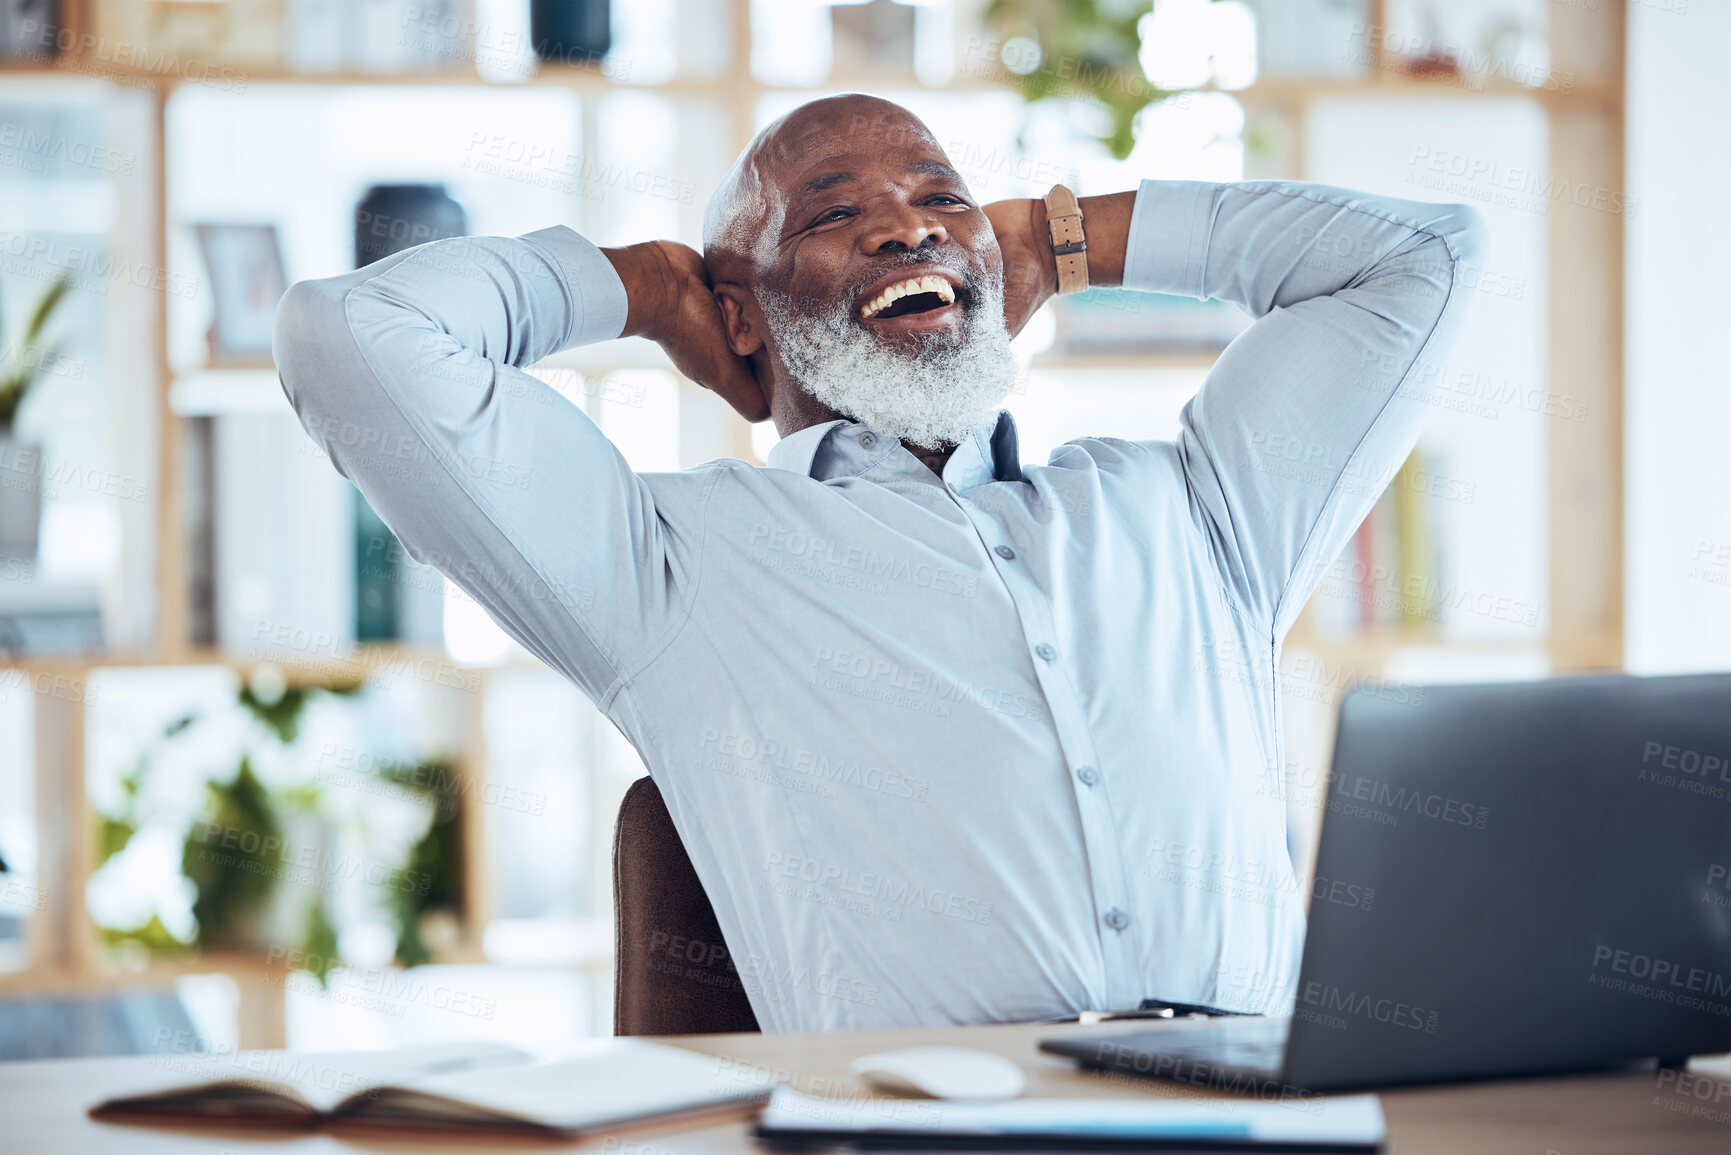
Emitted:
<point x="282" y="716"/>
<point x="319" y="948"/>
<point x="112" y="835"/>
<point x="45" y="309"/>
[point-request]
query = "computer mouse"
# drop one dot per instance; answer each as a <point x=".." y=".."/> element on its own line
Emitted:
<point x="942" y="1073"/>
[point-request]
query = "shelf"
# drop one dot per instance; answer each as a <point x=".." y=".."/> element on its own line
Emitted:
<point x="1282" y="89"/>
<point x="313" y="670"/>
<point x="113" y="970"/>
<point x="606" y="356"/>
<point x="46" y="596"/>
<point x="1398" y="86"/>
<point x="221" y="392"/>
<point x="584" y="943"/>
<point x="1175" y="359"/>
<point x="1375" y="648"/>
<point x="228" y="392"/>
<point x="580" y="79"/>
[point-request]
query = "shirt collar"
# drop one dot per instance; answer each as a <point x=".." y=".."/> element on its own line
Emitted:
<point x="795" y="451"/>
<point x="989" y="453"/>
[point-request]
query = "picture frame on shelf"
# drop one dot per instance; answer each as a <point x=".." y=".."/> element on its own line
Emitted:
<point x="29" y="29"/>
<point x="245" y="266"/>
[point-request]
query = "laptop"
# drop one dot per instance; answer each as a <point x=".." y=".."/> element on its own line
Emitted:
<point x="1549" y="867"/>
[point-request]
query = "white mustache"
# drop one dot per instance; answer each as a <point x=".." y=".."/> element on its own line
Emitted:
<point x="974" y="281"/>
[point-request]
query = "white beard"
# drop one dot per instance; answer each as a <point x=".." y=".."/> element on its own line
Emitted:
<point x="933" y="397"/>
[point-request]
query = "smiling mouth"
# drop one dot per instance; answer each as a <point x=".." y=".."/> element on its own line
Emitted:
<point x="914" y="295"/>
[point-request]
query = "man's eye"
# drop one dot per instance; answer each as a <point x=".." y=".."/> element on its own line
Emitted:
<point x="946" y="198"/>
<point x="832" y="215"/>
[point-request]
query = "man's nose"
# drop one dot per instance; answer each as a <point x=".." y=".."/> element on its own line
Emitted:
<point x="901" y="228"/>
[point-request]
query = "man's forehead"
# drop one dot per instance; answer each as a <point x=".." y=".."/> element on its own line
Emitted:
<point x="830" y="172"/>
<point x="817" y="139"/>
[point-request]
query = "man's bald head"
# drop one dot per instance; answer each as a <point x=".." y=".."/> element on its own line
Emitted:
<point x="744" y="217"/>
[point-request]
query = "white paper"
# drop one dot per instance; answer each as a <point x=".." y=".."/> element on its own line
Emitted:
<point x="605" y="1081"/>
<point x="1347" y="1119"/>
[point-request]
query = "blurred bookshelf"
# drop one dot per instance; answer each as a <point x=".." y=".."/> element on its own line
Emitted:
<point x="199" y="434"/>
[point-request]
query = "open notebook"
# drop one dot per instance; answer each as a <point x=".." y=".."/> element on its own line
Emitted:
<point x="603" y="1083"/>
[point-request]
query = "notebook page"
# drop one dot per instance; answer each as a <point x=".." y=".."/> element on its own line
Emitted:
<point x="324" y="1079"/>
<point x="602" y="1081"/>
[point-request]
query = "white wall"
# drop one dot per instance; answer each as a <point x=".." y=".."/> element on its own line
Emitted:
<point x="1678" y="311"/>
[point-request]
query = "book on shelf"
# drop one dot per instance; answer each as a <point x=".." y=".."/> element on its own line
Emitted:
<point x="40" y="618"/>
<point x="1118" y="321"/>
<point x="1388" y="578"/>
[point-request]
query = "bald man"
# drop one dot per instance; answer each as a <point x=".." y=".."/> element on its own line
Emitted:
<point x="950" y="737"/>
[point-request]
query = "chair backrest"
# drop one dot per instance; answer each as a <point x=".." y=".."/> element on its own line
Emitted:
<point x="672" y="971"/>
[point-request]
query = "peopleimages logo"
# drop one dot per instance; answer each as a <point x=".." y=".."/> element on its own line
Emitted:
<point x="818" y="765"/>
<point x="884" y="674"/>
<point x="1718" y="877"/>
<point x="776" y="981"/>
<point x="1692" y="771"/>
<point x="270" y="855"/>
<point x="876" y="887"/>
<point x="1397" y="800"/>
<point x="1665" y="979"/>
<point x="1199" y="1073"/>
<point x="867" y="562"/>
<point x="1327" y="1004"/>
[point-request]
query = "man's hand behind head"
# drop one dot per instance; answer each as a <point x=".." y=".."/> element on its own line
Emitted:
<point x="672" y="304"/>
<point x="1030" y="269"/>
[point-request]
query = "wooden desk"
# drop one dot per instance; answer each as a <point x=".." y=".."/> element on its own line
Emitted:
<point x="42" y="1104"/>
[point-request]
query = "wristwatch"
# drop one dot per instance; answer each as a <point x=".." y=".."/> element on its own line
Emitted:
<point x="1069" y="243"/>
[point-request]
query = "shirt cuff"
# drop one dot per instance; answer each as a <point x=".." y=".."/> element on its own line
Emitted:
<point x="598" y="299"/>
<point x="1169" y="231"/>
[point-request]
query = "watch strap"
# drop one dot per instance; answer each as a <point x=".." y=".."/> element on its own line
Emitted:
<point x="1069" y="243"/>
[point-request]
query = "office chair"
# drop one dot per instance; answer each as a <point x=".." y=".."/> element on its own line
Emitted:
<point x="672" y="974"/>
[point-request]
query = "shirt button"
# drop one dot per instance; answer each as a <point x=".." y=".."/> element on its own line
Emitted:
<point x="1045" y="650"/>
<point x="1005" y="552"/>
<point x="1088" y="775"/>
<point x="867" y="440"/>
<point x="1117" y="919"/>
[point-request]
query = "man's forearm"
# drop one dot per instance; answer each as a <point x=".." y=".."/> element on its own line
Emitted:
<point x="1271" y="244"/>
<point x="1106" y="221"/>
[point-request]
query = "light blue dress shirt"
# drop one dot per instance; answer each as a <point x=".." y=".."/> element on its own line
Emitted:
<point x="1000" y="745"/>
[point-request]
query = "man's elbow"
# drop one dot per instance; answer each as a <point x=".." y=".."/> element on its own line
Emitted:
<point x="309" y="319"/>
<point x="1462" y="231"/>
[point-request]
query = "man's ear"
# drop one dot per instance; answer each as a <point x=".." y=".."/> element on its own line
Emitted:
<point x="740" y="318"/>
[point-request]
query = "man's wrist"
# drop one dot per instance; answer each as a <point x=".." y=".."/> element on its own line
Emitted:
<point x="650" y="288"/>
<point x="1041" y="227"/>
<point x="1107" y="219"/>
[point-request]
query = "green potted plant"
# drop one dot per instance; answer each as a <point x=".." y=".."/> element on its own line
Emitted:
<point x="21" y="462"/>
<point x="264" y="863"/>
<point x="1078" y="49"/>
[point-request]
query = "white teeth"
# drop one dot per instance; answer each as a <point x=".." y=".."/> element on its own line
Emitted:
<point x="930" y="283"/>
